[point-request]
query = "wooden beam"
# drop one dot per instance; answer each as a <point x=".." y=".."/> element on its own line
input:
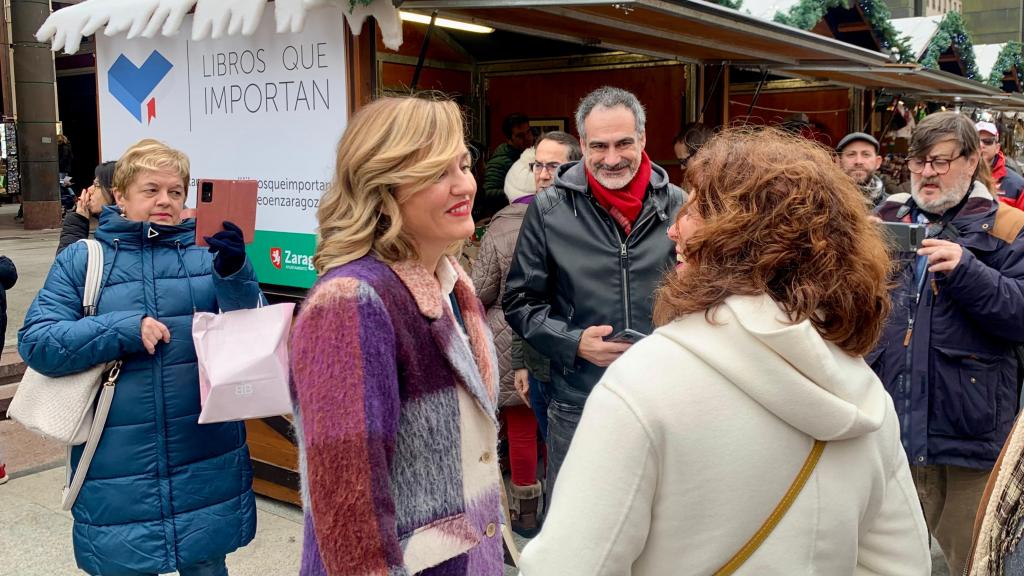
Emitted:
<point x="725" y="95"/>
<point x="853" y="27"/>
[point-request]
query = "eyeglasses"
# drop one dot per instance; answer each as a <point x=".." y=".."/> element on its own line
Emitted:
<point x="988" y="141"/>
<point x="939" y="165"/>
<point x="539" y="167"/>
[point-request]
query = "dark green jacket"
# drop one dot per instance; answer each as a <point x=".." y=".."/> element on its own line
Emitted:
<point x="524" y="356"/>
<point x="493" y="197"/>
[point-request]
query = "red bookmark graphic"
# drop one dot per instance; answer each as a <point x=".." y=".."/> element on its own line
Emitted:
<point x="151" y="110"/>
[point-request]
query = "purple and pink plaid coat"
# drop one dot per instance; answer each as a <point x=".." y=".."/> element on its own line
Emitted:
<point x="395" y="417"/>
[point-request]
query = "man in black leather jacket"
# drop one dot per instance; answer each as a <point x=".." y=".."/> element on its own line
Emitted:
<point x="591" y="252"/>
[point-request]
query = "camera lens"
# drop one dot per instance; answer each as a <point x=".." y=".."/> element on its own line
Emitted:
<point x="207" y="192"/>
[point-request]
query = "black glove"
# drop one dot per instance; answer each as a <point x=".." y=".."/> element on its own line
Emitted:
<point x="228" y="249"/>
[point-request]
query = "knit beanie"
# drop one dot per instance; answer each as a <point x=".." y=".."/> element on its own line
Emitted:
<point x="519" y="180"/>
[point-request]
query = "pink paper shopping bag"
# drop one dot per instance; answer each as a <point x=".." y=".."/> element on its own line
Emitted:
<point x="243" y="363"/>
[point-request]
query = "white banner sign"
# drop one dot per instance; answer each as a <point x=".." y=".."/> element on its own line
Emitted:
<point x="269" y="107"/>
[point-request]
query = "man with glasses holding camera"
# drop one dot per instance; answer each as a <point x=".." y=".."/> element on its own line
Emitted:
<point x="946" y="354"/>
<point x="1010" y="182"/>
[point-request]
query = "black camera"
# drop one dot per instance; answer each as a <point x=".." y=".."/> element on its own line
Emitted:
<point x="206" y="193"/>
<point x="903" y="237"/>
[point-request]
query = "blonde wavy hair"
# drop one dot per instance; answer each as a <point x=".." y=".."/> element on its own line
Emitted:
<point x="146" y="155"/>
<point x="391" y="143"/>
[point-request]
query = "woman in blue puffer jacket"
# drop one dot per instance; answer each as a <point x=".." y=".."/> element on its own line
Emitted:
<point x="164" y="493"/>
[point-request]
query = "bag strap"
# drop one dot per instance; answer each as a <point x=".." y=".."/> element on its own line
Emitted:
<point x="780" y="510"/>
<point x="99" y="420"/>
<point x="511" y="550"/>
<point x="91" y="293"/>
<point x="93" y="276"/>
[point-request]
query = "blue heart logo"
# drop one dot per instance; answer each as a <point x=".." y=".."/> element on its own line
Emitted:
<point x="131" y="84"/>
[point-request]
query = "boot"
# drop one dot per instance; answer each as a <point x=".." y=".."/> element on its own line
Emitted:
<point x="525" y="509"/>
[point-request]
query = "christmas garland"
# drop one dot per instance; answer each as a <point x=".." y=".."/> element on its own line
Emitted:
<point x="807" y="13"/>
<point x="734" y="4"/>
<point x="1009" y="57"/>
<point x="951" y="32"/>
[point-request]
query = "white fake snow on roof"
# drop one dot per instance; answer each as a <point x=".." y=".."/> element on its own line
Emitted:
<point x="213" y="19"/>
<point x="985" y="56"/>
<point x="920" y="32"/>
<point x="766" y="9"/>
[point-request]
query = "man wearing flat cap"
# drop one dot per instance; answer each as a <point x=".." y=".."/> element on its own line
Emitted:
<point x="859" y="158"/>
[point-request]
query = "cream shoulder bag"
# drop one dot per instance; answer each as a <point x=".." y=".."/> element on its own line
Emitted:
<point x="66" y="409"/>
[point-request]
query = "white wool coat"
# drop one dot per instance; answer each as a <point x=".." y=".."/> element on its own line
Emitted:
<point x="693" y="436"/>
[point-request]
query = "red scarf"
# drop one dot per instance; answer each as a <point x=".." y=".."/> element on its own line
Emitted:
<point x="624" y="205"/>
<point x="999" y="167"/>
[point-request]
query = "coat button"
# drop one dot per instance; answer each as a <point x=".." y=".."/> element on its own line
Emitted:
<point x="984" y="226"/>
<point x="920" y="458"/>
<point x="486" y="458"/>
<point x="491" y="530"/>
<point x="973" y="381"/>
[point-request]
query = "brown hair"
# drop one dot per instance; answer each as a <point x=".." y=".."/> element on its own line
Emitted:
<point x="984" y="175"/>
<point x="566" y="140"/>
<point x="693" y="136"/>
<point x="780" y="218"/>
<point x="942" y="126"/>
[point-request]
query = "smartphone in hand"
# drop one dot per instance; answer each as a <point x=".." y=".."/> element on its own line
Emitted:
<point x="627" y="336"/>
<point x="903" y="237"/>
<point x="220" y="200"/>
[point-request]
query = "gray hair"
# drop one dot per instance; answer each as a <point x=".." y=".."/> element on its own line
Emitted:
<point x="609" y="97"/>
<point x="943" y="126"/>
<point x="565" y="139"/>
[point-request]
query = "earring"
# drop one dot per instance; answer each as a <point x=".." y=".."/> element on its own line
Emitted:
<point x="122" y="211"/>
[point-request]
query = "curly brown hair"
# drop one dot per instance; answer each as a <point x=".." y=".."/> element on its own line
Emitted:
<point x="780" y="218"/>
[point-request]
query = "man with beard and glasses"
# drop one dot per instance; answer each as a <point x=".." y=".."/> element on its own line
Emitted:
<point x="591" y="251"/>
<point x="947" y="352"/>
<point x="858" y="157"/>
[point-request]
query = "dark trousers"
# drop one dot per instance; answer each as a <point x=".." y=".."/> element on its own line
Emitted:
<point x="562" y="422"/>
<point x="539" y="403"/>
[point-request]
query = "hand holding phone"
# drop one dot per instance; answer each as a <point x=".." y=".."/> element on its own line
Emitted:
<point x="228" y="245"/>
<point x="595" y="349"/>
<point x="626" y="336"/>
<point x="903" y="237"/>
<point x="226" y="200"/>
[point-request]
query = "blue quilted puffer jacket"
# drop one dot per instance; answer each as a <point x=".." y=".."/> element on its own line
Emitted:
<point x="163" y="491"/>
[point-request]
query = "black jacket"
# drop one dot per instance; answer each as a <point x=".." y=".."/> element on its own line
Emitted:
<point x="64" y="158"/>
<point x="8" y="277"/>
<point x="573" y="268"/>
<point x="75" y="228"/>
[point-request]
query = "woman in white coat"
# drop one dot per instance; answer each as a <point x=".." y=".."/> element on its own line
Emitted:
<point x="694" y="435"/>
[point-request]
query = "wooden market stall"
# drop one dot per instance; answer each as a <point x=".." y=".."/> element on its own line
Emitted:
<point x="684" y="59"/>
<point x="543" y="57"/>
<point x="540" y="60"/>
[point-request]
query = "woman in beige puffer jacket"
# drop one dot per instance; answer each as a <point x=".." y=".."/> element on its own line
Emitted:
<point x="489" y="271"/>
